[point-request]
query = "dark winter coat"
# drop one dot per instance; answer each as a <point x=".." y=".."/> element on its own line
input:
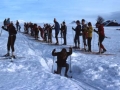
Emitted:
<point x="60" y="61"/>
<point x="77" y="30"/>
<point x="101" y="31"/>
<point x="57" y="27"/>
<point x="64" y="29"/>
<point x="11" y="30"/>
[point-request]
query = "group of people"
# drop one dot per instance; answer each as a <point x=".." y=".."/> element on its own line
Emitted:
<point x="46" y="31"/>
<point x="81" y="29"/>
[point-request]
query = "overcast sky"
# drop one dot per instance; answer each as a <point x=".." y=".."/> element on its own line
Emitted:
<point x="68" y="10"/>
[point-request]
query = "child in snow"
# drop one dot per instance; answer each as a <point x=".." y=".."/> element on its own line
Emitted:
<point x="61" y="60"/>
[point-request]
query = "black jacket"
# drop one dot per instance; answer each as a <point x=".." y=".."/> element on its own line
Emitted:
<point x="11" y="30"/>
<point x="60" y="61"/>
<point x="77" y="30"/>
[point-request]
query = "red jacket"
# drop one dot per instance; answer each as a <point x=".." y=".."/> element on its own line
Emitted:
<point x="101" y="30"/>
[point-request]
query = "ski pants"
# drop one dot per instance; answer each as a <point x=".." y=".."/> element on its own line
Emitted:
<point x="56" y="36"/>
<point x="84" y="39"/>
<point x="10" y="43"/>
<point x="64" y="37"/>
<point x="60" y="67"/>
<point x="89" y="43"/>
<point x="76" y="40"/>
<point x="101" y="39"/>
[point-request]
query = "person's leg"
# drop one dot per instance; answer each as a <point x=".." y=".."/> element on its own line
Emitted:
<point x="13" y="38"/>
<point x="56" y="36"/>
<point x="75" y="38"/>
<point x="101" y="45"/>
<point x="67" y="68"/>
<point x="84" y="42"/>
<point x="78" y="41"/>
<point x="8" y="47"/>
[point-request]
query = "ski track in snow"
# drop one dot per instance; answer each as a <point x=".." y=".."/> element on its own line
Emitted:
<point x="89" y="72"/>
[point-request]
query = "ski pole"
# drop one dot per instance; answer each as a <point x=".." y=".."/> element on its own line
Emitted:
<point x="1" y="32"/>
<point x="99" y="46"/>
<point x="53" y="64"/>
<point x="70" y="64"/>
<point x="73" y="37"/>
<point x="93" y="40"/>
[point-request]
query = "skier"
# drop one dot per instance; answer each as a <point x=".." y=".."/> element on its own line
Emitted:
<point x="41" y="31"/>
<point x="57" y="28"/>
<point x="61" y="60"/>
<point x="101" y="34"/>
<point x="11" y="39"/>
<point x="77" y="33"/>
<point x="17" y="25"/>
<point x="89" y="38"/>
<point x="49" y="34"/>
<point x="84" y="33"/>
<point x="36" y="31"/>
<point x="64" y="32"/>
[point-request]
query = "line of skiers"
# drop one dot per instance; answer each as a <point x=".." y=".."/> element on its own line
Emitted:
<point x="85" y="31"/>
<point x="82" y="29"/>
<point x="46" y="31"/>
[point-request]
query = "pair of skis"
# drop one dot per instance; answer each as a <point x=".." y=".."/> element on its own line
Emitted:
<point x="7" y="58"/>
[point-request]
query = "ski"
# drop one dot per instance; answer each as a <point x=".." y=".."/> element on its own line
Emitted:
<point x="95" y="53"/>
<point x="64" y="76"/>
<point x="9" y="58"/>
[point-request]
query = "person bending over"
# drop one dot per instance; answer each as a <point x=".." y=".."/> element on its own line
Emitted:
<point x="61" y="60"/>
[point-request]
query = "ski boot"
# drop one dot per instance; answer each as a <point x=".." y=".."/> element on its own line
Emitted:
<point x="6" y="55"/>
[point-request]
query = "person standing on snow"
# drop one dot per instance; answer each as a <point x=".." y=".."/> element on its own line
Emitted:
<point x="64" y="32"/>
<point x="101" y="34"/>
<point x="57" y="29"/>
<point x="89" y="36"/>
<point x="11" y="39"/>
<point x="17" y="25"/>
<point x="84" y="33"/>
<point x="61" y="60"/>
<point x="77" y="33"/>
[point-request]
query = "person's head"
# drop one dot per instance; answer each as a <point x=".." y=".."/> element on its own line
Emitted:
<point x="63" y="53"/>
<point x="77" y="22"/>
<point x="83" y="21"/>
<point x="63" y="22"/>
<point x="55" y="20"/>
<point x="97" y="24"/>
<point x="11" y="24"/>
<point x="89" y="24"/>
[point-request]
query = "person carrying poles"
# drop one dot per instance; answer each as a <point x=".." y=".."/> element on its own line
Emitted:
<point x="101" y="34"/>
<point x="61" y="60"/>
<point x="64" y="31"/>
<point x="89" y="36"/>
<point x="57" y="29"/>
<point x="77" y="34"/>
<point x="84" y="33"/>
<point x="11" y="39"/>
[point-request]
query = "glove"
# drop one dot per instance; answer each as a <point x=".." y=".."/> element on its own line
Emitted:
<point x="54" y="50"/>
<point x="72" y="28"/>
<point x="2" y="27"/>
<point x="94" y="30"/>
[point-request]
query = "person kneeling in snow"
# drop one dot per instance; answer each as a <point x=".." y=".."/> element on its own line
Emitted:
<point x="61" y="60"/>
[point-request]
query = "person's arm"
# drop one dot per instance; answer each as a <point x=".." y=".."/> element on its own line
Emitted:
<point x="54" y="53"/>
<point x="73" y="28"/>
<point x="4" y="28"/>
<point x="70" y="51"/>
<point x="96" y="31"/>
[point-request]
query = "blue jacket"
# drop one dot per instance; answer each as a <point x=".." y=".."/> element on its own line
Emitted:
<point x="57" y="27"/>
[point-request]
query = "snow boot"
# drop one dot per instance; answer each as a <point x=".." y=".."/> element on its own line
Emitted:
<point x="6" y="55"/>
